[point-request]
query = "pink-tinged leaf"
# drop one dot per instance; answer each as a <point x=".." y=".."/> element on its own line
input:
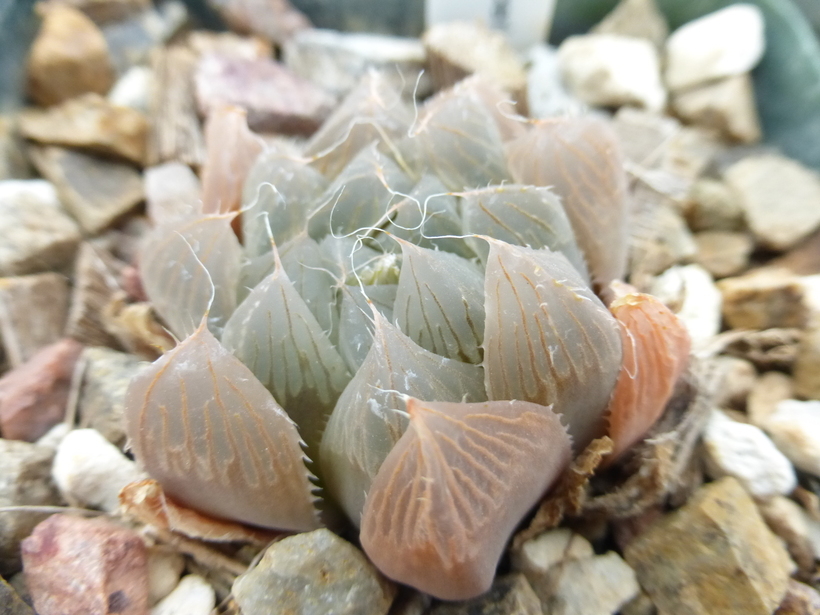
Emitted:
<point x="368" y="419"/>
<point x="547" y="338"/>
<point x="204" y="427"/>
<point x="449" y="495"/>
<point x="656" y="352"/>
<point x="500" y="103"/>
<point x="580" y="159"/>
<point x="171" y="259"/>
<point x="232" y="149"/>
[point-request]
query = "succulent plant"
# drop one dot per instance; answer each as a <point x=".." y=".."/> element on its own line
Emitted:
<point x="408" y="321"/>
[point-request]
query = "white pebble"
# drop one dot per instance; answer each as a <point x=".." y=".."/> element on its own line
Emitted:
<point x="133" y="89"/>
<point x="164" y="569"/>
<point x="539" y="554"/>
<point x="691" y="293"/>
<point x="795" y="429"/>
<point x="612" y="71"/>
<point x="90" y="471"/>
<point x="724" y="43"/>
<point x="745" y="452"/>
<point x="193" y="596"/>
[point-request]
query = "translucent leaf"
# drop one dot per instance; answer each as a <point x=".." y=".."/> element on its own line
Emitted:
<point x="368" y="419"/>
<point x="500" y="104"/>
<point x="461" y="141"/>
<point x="427" y="218"/>
<point x="523" y="216"/>
<point x="548" y="339"/>
<point x="175" y="281"/>
<point x="440" y="302"/>
<point x="360" y="197"/>
<point x="580" y="159"/>
<point x="448" y="496"/>
<point x="656" y="352"/>
<point x="355" y="323"/>
<point x="216" y="440"/>
<point x="232" y="148"/>
<point x="275" y="334"/>
<point x="285" y="191"/>
<point x="373" y="111"/>
<point x="344" y="255"/>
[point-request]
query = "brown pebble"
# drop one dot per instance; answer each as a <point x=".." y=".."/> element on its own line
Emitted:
<point x="77" y="566"/>
<point x="69" y="57"/>
<point x="801" y="599"/>
<point x="33" y="396"/>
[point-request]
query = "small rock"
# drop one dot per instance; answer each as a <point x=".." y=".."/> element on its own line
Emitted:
<point x="26" y="481"/>
<point x="539" y="554"/>
<point x="806" y="370"/>
<point x="803" y="259"/>
<point x="33" y="312"/>
<point x="102" y="11"/>
<point x="724" y="43"/>
<point x="727" y="106"/>
<point x="172" y="191"/>
<point x="769" y="390"/>
<point x="737" y="377"/>
<point x="10" y="601"/>
<point x="35" y="233"/>
<point x="795" y="429"/>
<point x="715" y="555"/>
<point x="165" y="567"/>
<point x="90" y="471"/>
<point x="229" y="44"/>
<point x="637" y="19"/>
<point x="801" y="599"/>
<point x="90" y="122"/>
<point x="789" y="521"/>
<point x="723" y="253"/>
<point x="33" y="396"/>
<point x="597" y="585"/>
<point x="546" y="94"/>
<point x="606" y="70"/>
<point x="95" y="191"/>
<point x="193" y="596"/>
<point x="641" y="605"/>
<point x="276" y="20"/>
<point x="768" y="349"/>
<point x="764" y="299"/>
<point x="275" y="99"/>
<point x="509" y="595"/>
<point x="692" y="295"/>
<point x="52" y="438"/>
<point x="712" y="205"/>
<point x="774" y="192"/>
<point x="95" y="283"/>
<point x="745" y="452"/>
<point x="644" y="135"/>
<point x="459" y="48"/>
<point x="77" y="566"/>
<point x="337" y="61"/>
<point x="106" y="377"/>
<point x="69" y="57"/>
<point x="13" y="163"/>
<point x="315" y="572"/>
<point x="133" y="89"/>
<point x="659" y="238"/>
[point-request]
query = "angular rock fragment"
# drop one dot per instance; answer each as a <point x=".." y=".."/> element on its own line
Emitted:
<point x="193" y="596"/>
<point x="792" y="523"/>
<point x="713" y="205"/>
<point x="795" y="428"/>
<point x="806" y="370"/>
<point x="714" y="555"/>
<point x="449" y="494"/>
<point x="26" y="471"/>
<point x="12" y="603"/>
<point x="691" y="293"/>
<point x="165" y="566"/>
<point x="89" y="122"/>
<point x="801" y="599"/>
<point x="724" y="43"/>
<point x="90" y="471"/>
<point x="103" y="11"/>
<point x="538" y="555"/>
<point x="316" y="572"/>
<point x="510" y="595"/>
<point x="275" y="20"/>
<point x="106" y="375"/>
<point x="338" y="60"/>
<point x="77" y="566"/>
<point x="773" y="192"/>
<point x="723" y="253"/>
<point x="635" y="18"/>
<point x="764" y="299"/>
<point x="33" y="312"/>
<point x="13" y="163"/>
<point x="95" y="191"/>
<point x="33" y="396"/>
<point x="768" y="390"/>
<point x="608" y="70"/>
<point x="36" y="234"/>
<point x="275" y="99"/>
<point x="69" y="57"/>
